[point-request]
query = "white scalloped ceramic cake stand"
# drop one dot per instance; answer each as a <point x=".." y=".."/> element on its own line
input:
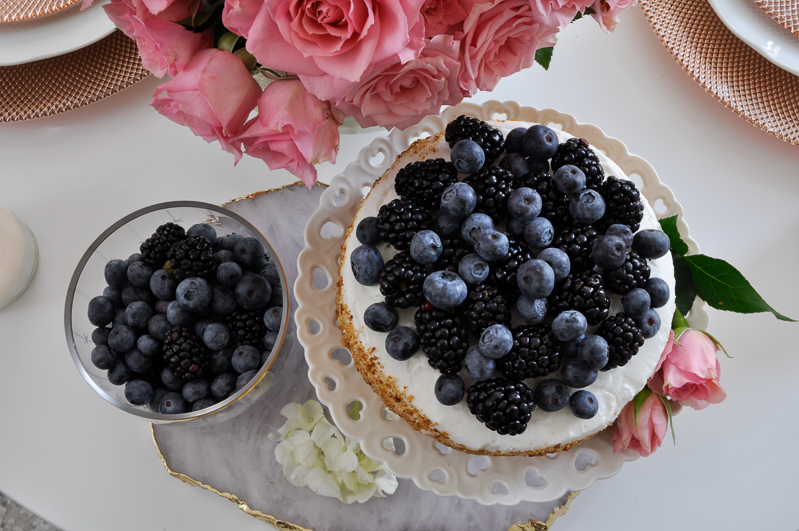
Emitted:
<point x="433" y="467"/>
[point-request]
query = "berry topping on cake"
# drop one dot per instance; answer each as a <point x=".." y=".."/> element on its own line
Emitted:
<point x="584" y="292"/>
<point x="423" y="182"/>
<point x="443" y="338"/>
<point x="576" y="152"/>
<point x="486" y="136"/>
<point x="535" y="353"/>
<point x="484" y="306"/>
<point x="493" y="187"/>
<point x="401" y="281"/>
<point x="622" y="203"/>
<point x="623" y="339"/>
<point x="633" y="273"/>
<point x="502" y="405"/>
<point x="399" y="220"/>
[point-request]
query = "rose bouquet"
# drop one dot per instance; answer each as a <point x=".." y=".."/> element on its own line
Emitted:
<point x="386" y="63"/>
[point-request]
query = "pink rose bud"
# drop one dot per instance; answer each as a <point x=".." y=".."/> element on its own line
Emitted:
<point x="646" y="435"/>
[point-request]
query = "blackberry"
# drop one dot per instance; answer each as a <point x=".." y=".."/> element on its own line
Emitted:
<point x="492" y="186"/>
<point x="576" y="241"/>
<point x="185" y="354"/>
<point x="623" y="337"/>
<point x="503" y="272"/>
<point x="401" y="281"/>
<point x="554" y="203"/>
<point x="192" y="257"/>
<point x="575" y="151"/>
<point x="622" y="204"/>
<point x="453" y="249"/>
<point x="399" y="220"/>
<point x="502" y="405"/>
<point x="246" y="328"/>
<point x="487" y="137"/>
<point x="154" y="249"/>
<point x="535" y="353"/>
<point x="633" y="273"/>
<point x="584" y="292"/>
<point x="443" y="337"/>
<point x="485" y="305"/>
<point x="423" y="182"/>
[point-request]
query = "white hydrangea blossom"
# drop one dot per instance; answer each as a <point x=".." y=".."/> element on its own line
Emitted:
<point x="315" y="454"/>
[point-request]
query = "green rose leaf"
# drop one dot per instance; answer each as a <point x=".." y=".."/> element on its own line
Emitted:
<point x="669" y="226"/>
<point x="543" y="56"/>
<point x="685" y="292"/>
<point x="638" y="402"/>
<point x="667" y="405"/>
<point x="723" y="287"/>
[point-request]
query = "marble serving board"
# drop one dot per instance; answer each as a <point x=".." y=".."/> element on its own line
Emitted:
<point x="235" y="458"/>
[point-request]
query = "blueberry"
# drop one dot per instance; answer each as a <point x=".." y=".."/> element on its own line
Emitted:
<point x="367" y="231"/>
<point x="244" y="379"/>
<point x="121" y="338"/>
<point x="158" y="326"/>
<point x="516" y="163"/>
<point x="245" y="358"/>
<point x="195" y="390"/>
<point x="138" y="392"/>
<point x="570" y="348"/>
<point x="101" y="311"/>
<point x="515" y="227"/>
<point x="583" y="404"/>
<point x="524" y="203"/>
<point x="539" y="233"/>
<point x="114" y="295"/>
<point x="473" y="269"/>
<point x="651" y="243"/>
<point x="116" y="273"/>
<point x="199" y="325"/>
<point x="622" y="231"/>
<point x="223" y="384"/>
<point x="540" y="142"/>
<point x="202" y="229"/>
<point x="223" y="301"/>
<point x="477" y="365"/>
<point x="532" y="310"/>
<point x="138" y="314"/>
<point x="269" y="340"/>
<point x="473" y="225"/>
<point x="100" y="336"/>
<point x="161" y="306"/>
<point x="221" y="256"/>
<point x="577" y="374"/>
<point x="172" y="382"/>
<point x="273" y="317"/>
<point x="163" y="285"/>
<point x="366" y="263"/>
<point x="271" y="274"/>
<point x="216" y="336"/>
<point x="467" y="156"/>
<point x="658" y="292"/>
<point x="445" y="225"/>
<point x="135" y="257"/>
<point x="495" y="341"/>
<point x="202" y="403"/>
<point x="176" y="315"/>
<point x="649" y="324"/>
<point x="194" y="294"/>
<point x="425" y="247"/>
<point x="551" y="395"/>
<point x="139" y="274"/>
<point x="535" y="279"/>
<point x="228" y="274"/>
<point x="228" y="243"/>
<point x="569" y="325"/>
<point x="253" y="292"/>
<point x="402" y="343"/>
<point x="492" y="245"/>
<point x="593" y="351"/>
<point x="131" y="293"/>
<point x="558" y="260"/>
<point x="102" y="358"/>
<point x="119" y="374"/>
<point x="444" y="289"/>
<point x="148" y="345"/>
<point x="609" y="252"/>
<point x="277" y="296"/>
<point x="569" y="179"/>
<point x="220" y="361"/>
<point x="119" y="318"/>
<point x="636" y="303"/>
<point x="587" y="206"/>
<point x="381" y="317"/>
<point x="249" y="253"/>
<point x="514" y="139"/>
<point x="172" y="404"/>
<point x="458" y="200"/>
<point x="449" y="389"/>
<point x="138" y="362"/>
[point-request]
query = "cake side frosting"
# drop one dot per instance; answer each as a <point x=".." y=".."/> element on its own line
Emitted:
<point x="406" y="387"/>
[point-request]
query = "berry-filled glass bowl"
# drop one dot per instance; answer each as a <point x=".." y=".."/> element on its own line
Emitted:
<point x="177" y="312"/>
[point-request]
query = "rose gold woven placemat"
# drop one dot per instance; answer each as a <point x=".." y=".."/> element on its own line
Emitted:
<point x="69" y="81"/>
<point x="14" y="10"/>
<point x="726" y="67"/>
<point x="786" y="12"/>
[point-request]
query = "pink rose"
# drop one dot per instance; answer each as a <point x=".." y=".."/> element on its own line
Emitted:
<point x="607" y="12"/>
<point x="238" y="15"/>
<point x="212" y="96"/>
<point x="293" y="130"/>
<point x="646" y="435"/>
<point x="558" y="13"/>
<point x="689" y="371"/>
<point x="164" y="45"/>
<point x="441" y="15"/>
<point x="499" y="38"/>
<point x="340" y="38"/>
<point x="402" y="94"/>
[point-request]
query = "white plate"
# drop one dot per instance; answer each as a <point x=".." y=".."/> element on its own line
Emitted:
<point x="53" y="35"/>
<point x="529" y="479"/>
<point x="765" y="35"/>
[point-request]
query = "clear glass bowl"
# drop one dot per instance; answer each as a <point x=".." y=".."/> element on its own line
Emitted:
<point x="123" y="239"/>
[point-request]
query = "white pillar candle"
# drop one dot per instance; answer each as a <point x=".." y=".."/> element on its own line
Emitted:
<point x="19" y="257"/>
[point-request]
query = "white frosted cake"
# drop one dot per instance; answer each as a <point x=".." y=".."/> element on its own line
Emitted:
<point x="407" y="387"/>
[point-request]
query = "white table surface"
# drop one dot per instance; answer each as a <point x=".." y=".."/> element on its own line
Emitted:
<point x="83" y="465"/>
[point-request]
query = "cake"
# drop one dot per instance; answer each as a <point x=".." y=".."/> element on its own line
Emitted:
<point x="407" y="387"/>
